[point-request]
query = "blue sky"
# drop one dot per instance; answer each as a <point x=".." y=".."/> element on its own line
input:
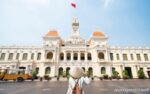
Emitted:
<point x="25" y="22"/>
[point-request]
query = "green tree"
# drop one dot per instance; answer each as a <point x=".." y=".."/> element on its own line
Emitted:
<point x="34" y="74"/>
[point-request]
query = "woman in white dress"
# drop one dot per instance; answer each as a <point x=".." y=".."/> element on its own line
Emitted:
<point x="77" y="76"/>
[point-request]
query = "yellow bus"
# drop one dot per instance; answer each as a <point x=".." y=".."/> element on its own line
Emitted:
<point x="14" y="74"/>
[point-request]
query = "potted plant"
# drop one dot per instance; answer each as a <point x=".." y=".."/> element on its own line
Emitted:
<point x="41" y="78"/>
<point x="141" y="74"/>
<point x="105" y="76"/>
<point x="101" y="78"/>
<point x="110" y="78"/>
<point x="57" y="78"/>
<point x="46" y="77"/>
<point x="92" y="78"/>
<point x="115" y="75"/>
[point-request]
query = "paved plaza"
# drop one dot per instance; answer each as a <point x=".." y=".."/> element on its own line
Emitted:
<point x="134" y="86"/>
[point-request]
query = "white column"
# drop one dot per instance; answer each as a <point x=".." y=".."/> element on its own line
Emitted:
<point x="86" y="56"/>
<point x="109" y="70"/>
<point x="148" y="55"/>
<point x="14" y="55"/>
<point x="35" y="56"/>
<point x="145" y="71"/>
<point x="120" y="57"/>
<point x="29" y="55"/>
<point x="79" y="56"/>
<point x="134" y="71"/>
<point x="135" y="57"/>
<point x="128" y="56"/>
<point x="6" y="56"/>
<point x="20" y="55"/>
<point x="71" y="56"/>
<point x="65" y="56"/>
<point x="114" y="55"/>
<point x="142" y="57"/>
<point x="43" y="56"/>
<point x="0" y="54"/>
<point x="121" y="68"/>
<point x="41" y="70"/>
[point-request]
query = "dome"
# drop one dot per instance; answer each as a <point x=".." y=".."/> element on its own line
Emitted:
<point x="52" y="33"/>
<point x="98" y="34"/>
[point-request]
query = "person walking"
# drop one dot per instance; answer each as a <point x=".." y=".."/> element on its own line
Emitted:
<point x="76" y="80"/>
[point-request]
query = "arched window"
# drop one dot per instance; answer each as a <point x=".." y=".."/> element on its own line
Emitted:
<point x="60" y="71"/>
<point x="89" y="56"/>
<point x="37" y="70"/>
<point x="49" y="55"/>
<point x="111" y="56"/>
<point x="2" y="56"/>
<point x="25" y="55"/>
<point x="103" y="70"/>
<point x="101" y="55"/>
<point x="82" y="56"/>
<point x="38" y="56"/>
<point x="47" y="70"/>
<point x="75" y="56"/>
<point x="61" y="56"/>
<point x="68" y="56"/>
<point x="125" y="58"/>
<point x="10" y="56"/>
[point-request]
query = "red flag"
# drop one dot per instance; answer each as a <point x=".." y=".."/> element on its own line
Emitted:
<point x="73" y="5"/>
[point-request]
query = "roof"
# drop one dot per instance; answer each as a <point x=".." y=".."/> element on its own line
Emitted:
<point x="98" y="34"/>
<point x="52" y="34"/>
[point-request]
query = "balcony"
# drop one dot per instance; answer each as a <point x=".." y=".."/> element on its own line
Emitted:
<point x="49" y="61"/>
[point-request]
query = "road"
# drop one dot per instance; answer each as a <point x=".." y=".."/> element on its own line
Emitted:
<point x="134" y="86"/>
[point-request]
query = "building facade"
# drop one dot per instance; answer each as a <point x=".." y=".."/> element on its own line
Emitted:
<point x="57" y="56"/>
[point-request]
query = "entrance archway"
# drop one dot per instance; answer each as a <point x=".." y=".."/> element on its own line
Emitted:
<point x="67" y="71"/>
<point x="128" y="69"/>
<point x="60" y="71"/>
<point x="90" y="72"/>
<point x="47" y="70"/>
<point x="103" y="70"/>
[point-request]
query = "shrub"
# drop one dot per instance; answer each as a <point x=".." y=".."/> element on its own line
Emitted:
<point x="46" y="77"/>
<point x="141" y="74"/>
<point x="105" y="76"/>
<point x="125" y="74"/>
<point x="110" y="78"/>
<point x="115" y="74"/>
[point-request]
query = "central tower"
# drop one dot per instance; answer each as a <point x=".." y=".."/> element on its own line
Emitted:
<point x="75" y="34"/>
<point x="75" y="28"/>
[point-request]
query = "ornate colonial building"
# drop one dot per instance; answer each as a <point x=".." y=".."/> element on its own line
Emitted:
<point x="56" y="56"/>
